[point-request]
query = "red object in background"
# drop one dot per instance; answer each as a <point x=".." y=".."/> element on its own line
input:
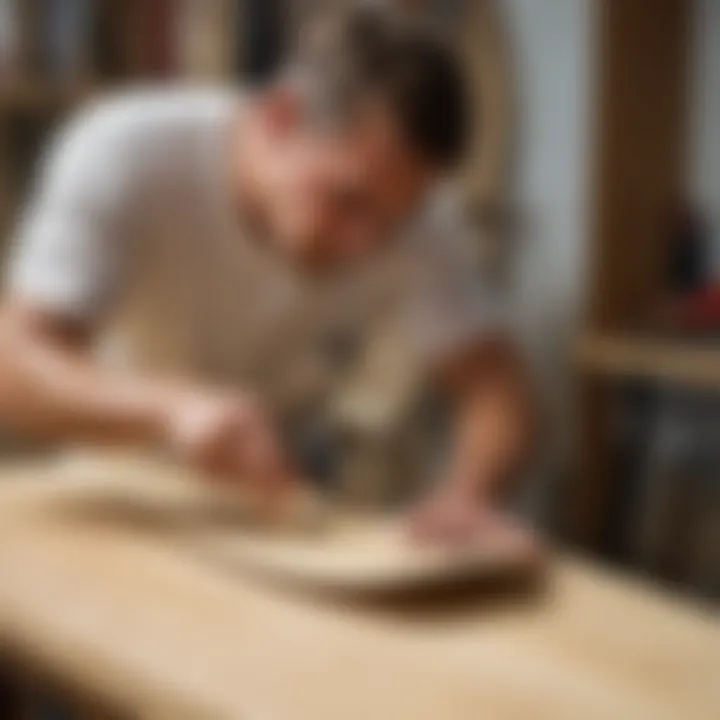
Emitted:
<point x="700" y="310"/>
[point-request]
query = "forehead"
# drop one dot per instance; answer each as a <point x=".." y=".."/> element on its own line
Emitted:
<point x="372" y="145"/>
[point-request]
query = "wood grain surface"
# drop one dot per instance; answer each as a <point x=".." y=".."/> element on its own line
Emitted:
<point x="306" y="543"/>
<point x="115" y="608"/>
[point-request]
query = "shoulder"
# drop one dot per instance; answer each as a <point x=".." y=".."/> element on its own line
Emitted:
<point x="144" y="120"/>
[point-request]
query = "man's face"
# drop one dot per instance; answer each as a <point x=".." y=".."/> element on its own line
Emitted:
<point x="336" y="196"/>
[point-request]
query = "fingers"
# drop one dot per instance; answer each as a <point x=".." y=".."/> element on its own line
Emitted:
<point x="260" y="455"/>
<point x="232" y="440"/>
<point x="458" y="523"/>
<point x="451" y="522"/>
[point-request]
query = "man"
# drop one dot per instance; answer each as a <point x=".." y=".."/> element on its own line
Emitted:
<point x="238" y="234"/>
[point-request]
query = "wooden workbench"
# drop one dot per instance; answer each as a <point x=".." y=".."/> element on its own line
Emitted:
<point x="125" y="616"/>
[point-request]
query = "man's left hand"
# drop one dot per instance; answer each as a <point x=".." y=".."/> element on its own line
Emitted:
<point x="451" y="516"/>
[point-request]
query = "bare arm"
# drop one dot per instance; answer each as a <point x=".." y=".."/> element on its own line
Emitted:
<point x="492" y="433"/>
<point x="493" y="421"/>
<point x="51" y="387"/>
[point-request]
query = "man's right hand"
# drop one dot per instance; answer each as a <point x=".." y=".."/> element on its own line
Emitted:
<point x="230" y="438"/>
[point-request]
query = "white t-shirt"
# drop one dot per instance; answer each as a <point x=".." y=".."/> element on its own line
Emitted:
<point x="131" y="229"/>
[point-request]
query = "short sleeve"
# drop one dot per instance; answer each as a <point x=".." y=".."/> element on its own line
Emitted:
<point x="446" y="303"/>
<point x="69" y="255"/>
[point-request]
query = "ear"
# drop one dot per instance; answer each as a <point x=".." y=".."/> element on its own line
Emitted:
<point x="282" y="109"/>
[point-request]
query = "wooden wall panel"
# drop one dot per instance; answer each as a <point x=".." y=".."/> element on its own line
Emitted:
<point x="640" y="149"/>
<point x="640" y="155"/>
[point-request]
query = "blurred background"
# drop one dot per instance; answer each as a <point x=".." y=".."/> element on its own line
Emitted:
<point x="595" y="187"/>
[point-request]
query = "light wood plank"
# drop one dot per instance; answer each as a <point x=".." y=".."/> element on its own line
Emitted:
<point x="117" y="613"/>
<point x="682" y="363"/>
